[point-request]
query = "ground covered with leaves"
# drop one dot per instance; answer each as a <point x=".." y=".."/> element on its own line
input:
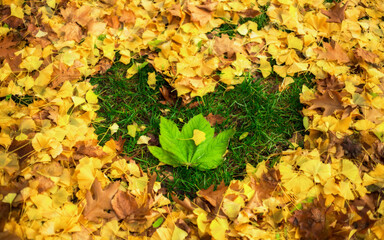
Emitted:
<point x="57" y="182"/>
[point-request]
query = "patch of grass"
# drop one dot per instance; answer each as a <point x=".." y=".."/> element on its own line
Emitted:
<point x="24" y="99"/>
<point x="256" y="106"/>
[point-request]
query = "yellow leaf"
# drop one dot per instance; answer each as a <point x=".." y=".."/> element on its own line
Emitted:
<point x="9" y="198"/>
<point x="331" y="187"/>
<point x="345" y="190"/>
<point x="143" y="140"/>
<point x="5" y="71"/>
<point x="31" y="63"/>
<point x="243" y="29"/>
<point x="69" y="57"/>
<point x="51" y="3"/>
<point x="198" y="136"/>
<point x="161" y="63"/>
<point x="227" y="76"/>
<point x="4" y="31"/>
<point x="17" y="11"/>
<point x="231" y="208"/>
<point x="114" y="127"/>
<point x="91" y="97"/>
<point x="294" y="42"/>
<point x="44" y="76"/>
<point x="109" y="51"/>
<point x="132" y="70"/>
<point x="297" y="67"/>
<point x="281" y="70"/>
<point x="240" y="64"/>
<point x="179" y="234"/>
<point x="243" y="135"/>
<point x="125" y="56"/>
<point x="285" y="83"/>
<point x="319" y="171"/>
<point x="60" y="197"/>
<point x="351" y="171"/>
<point x="40" y="34"/>
<point x="218" y="228"/>
<point x="265" y="67"/>
<point x="152" y="80"/>
<point x="132" y="129"/>
<point x="379" y="131"/>
<point x="85" y="172"/>
<point x="362" y="125"/>
<point x="299" y="184"/>
<point x="77" y="100"/>
<point x="202" y="219"/>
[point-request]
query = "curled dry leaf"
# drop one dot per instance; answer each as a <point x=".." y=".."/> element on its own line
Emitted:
<point x="98" y="204"/>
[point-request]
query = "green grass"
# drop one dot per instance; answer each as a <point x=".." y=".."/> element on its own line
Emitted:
<point x="255" y="106"/>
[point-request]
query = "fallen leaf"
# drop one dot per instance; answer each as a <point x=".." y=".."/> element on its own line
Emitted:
<point x="201" y="13"/>
<point x="333" y="52"/>
<point x="365" y="55"/>
<point x="214" y="119"/>
<point x="213" y="197"/>
<point x="114" y="127"/>
<point x="336" y="13"/>
<point x="98" y="205"/>
<point x="143" y="140"/>
<point x="123" y="204"/>
<point x="198" y="136"/>
<point x="330" y="101"/>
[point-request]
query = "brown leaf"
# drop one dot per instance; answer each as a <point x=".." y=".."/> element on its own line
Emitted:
<point x="315" y="219"/>
<point x="89" y="148"/>
<point x="72" y="31"/>
<point x="249" y="13"/>
<point x="334" y="52"/>
<point x="53" y="169"/>
<point x="170" y="97"/>
<point x="103" y="65"/>
<point x="214" y="119"/>
<point x="175" y="10"/>
<point x="99" y="202"/>
<point x="8" y="236"/>
<point x="62" y="73"/>
<point x="329" y="83"/>
<point x="112" y="21"/>
<point x="124" y="204"/>
<point x="201" y="13"/>
<point x="180" y="223"/>
<point x="264" y="188"/>
<point x="23" y="149"/>
<point x="224" y="45"/>
<point x="5" y="17"/>
<point x="213" y="197"/>
<point x="367" y="56"/>
<point x="128" y="17"/>
<point x="352" y="149"/>
<point x="330" y="101"/>
<point x="336" y="13"/>
<point x="364" y="207"/>
<point x="120" y="145"/>
<point x="194" y="104"/>
<point x="186" y="203"/>
<point x="44" y="183"/>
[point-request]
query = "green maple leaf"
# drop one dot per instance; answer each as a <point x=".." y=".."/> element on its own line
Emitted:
<point x="180" y="148"/>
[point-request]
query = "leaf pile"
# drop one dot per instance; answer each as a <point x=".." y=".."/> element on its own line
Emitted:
<point x="56" y="182"/>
